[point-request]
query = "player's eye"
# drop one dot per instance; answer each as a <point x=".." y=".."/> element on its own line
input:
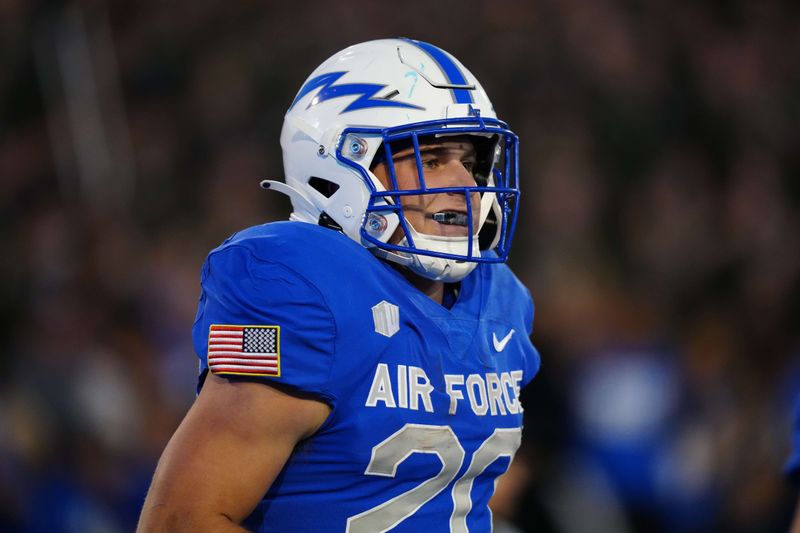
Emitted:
<point x="469" y="164"/>
<point x="430" y="162"/>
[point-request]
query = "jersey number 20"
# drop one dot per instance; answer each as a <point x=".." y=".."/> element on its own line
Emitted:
<point x="439" y="440"/>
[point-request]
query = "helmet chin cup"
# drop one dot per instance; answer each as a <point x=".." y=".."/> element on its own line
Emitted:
<point x="439" y="268"/>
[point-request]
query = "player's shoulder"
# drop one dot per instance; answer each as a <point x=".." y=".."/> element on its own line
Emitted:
<point x="501" y="280"/>
<point x="296" y="245"/>
<point x="290" y="253"/>
<point x="504" y="294"/>
<point x="288" y="237"/>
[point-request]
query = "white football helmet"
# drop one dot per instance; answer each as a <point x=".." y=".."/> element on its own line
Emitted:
<point x="361" y="106"/>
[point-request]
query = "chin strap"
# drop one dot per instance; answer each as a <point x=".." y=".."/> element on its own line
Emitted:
<point x="394" y="257"/>
<point x="327" y="222"/>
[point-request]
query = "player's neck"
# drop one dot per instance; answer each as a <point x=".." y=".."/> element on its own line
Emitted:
<point x="430" y="288"/>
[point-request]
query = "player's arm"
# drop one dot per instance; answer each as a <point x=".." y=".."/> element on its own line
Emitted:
<point x="796" y="522"/>
<point x="225" y="455"/>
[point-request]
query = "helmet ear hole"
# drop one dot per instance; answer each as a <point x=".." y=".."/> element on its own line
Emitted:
<point x="325" y="187"/>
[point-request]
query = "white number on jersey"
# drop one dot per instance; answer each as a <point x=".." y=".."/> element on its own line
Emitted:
<point x="439" y="440"/>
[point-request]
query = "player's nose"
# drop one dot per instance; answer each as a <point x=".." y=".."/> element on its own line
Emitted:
<point x="458" y="175"/>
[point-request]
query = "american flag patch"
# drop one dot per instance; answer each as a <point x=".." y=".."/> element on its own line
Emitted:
<point x="244" y="350"/>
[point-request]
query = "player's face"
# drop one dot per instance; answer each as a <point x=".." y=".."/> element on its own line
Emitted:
<point x="448" y="163"/>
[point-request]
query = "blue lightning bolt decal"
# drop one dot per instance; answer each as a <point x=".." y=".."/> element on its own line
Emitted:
<point x="365" y="92"/>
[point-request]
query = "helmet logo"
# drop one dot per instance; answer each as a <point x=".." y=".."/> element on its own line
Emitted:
<point x="364" y="91"/>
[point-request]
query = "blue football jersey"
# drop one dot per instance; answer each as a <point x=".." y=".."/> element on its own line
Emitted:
<point x="425" y="400"/>
<point x="792" y="467"/>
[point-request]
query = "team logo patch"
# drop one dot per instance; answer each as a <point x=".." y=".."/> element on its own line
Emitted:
<point x="387" y="318"/>
<point x="244" y="350"/>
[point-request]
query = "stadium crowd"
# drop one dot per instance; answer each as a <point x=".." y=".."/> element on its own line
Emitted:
<point x="661" y="185"/>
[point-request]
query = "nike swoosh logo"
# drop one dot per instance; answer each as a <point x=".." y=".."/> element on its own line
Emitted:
<point x="500" y="345"/>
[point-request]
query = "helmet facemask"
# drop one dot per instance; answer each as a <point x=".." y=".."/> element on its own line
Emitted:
<point x="439" y="230"/>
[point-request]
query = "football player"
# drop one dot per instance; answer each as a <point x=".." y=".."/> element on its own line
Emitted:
<point x="361" y="363"/>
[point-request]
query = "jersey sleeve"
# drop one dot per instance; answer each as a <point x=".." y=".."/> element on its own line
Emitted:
<point x="792" y="466"/>
<point x="532" y="357"/>
<point x="260" y="320"/>
<point x="529" y="311"/>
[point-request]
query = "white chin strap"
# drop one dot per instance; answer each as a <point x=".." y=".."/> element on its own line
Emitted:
<point x="437" y="268"/>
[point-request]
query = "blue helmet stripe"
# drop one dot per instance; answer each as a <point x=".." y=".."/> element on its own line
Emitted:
<point x="449" y="69"/>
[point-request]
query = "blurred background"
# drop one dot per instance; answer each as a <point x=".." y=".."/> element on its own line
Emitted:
<point x="661" y="191"/>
